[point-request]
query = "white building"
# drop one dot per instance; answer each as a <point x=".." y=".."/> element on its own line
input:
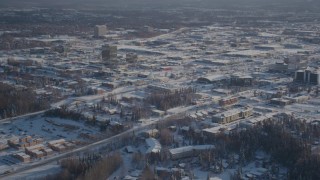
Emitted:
<point x="100" y="30"/>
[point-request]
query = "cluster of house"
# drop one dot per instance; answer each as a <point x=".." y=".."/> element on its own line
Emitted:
<point x="24" y="142"/>
<point x="60" y="145"/>
<point x="34" y="148"/>
<point x="39" y="151"/>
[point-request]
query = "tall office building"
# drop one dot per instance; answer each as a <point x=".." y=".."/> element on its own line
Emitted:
<point x="309" y="76"/>
<point x="109" y="54"/>
<point x="100" y="30"/>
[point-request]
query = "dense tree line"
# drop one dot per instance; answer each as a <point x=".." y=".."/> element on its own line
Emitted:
<point x="165" y="101"/>
<point x="139" y="113"/>
<point x="63" y="112"/>
<point x="18" y="101"/>
<point x="147" y="174"/>
<point x="88" y="168"/>
<point x="306" y="168"/>
<point x="287" y="141"/>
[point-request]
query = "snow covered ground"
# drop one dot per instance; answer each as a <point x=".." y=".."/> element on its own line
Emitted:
<point x="47" y="128"/>
<point x="38" y="172"/>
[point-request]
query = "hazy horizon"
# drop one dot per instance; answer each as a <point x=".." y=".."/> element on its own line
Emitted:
<point x="101" y="4"/>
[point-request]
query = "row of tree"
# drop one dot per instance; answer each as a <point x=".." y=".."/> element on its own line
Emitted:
<point x="87" y="168"/>
<point x="63" y="112"/>
<point x="165" y="101"/>
<point x="17" y="101"/>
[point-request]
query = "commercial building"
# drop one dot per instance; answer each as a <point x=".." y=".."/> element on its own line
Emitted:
<point x="289" y="100"/>
<point x="279" y="67"/>
<point x="241" y="80"/>
<point x="213" y="131"/>
<point x="308" y="76"/>
<point x="300" y="76"/>
<point x="24" y="142"/>
<point x="228" y="101"/>
<point x="109" y="54"/>
<point x="251" y="122"/>
<point x="290" y="64"/>
<point x="232" y="115"/>
<point x="296" y="62"/>
<point x="22" y="157"/>
<point x="280" y="101"/>
<point x="100" y="30"/>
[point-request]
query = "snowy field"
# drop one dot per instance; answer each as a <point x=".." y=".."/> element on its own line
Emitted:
<point x="47" y="128"/>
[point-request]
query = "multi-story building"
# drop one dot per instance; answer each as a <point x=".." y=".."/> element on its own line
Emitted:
<point x="232" y="115"/>
<point x="228" y="101"/>
<point x="296" y="62"/>
<point x="290" y="64"/>
<point x="308" y="76"/>
<point x="109" y="54"/>
<point x="100" y="30"/>
<point x="241" y="80"/>
<point x="22" y="157"/>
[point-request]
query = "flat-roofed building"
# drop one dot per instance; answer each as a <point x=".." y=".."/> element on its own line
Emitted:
<point x="228" y="101"/>
<point x="100" y="30"/>
<point x="232" y="115"/>
<point x="60" y="145"/>
<point x="109" y="54"/>
<point x="23" y="157"/>
<point x="309" y="76"/>
<point x="241" y="80"/>
<point x="280" y="101"/>
<point x="188" y="151"/>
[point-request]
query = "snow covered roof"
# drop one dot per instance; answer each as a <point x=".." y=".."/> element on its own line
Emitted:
<point x="190" y="148"/>
<point x="215" y="77"/>
<point x="154" y="145"/>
